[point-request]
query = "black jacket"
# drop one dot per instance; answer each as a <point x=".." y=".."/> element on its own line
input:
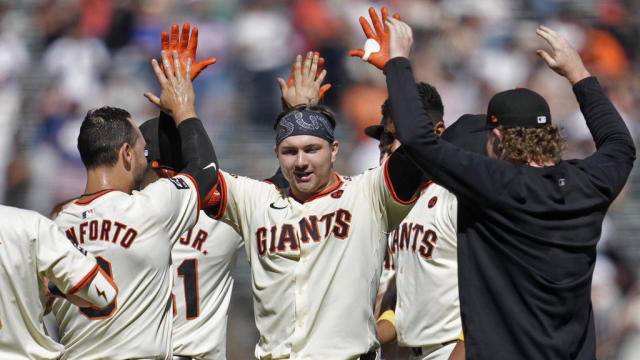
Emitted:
<point x="526" y="236"/>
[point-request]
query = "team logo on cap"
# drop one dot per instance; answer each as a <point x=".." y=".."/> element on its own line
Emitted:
<point x="542" y="119"/>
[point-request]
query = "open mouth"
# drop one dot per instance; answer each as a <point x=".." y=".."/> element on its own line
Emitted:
<point x="303" y="176"/>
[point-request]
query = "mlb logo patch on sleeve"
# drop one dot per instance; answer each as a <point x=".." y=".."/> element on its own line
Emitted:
<point x="179" y="183"/>
<point x="87" y="214"/>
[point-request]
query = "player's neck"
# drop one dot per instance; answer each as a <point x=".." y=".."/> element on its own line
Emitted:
<point x="544" y="163"/>
<point x="104" y="178"/>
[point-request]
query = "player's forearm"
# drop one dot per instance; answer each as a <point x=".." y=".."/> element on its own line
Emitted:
<point x="386" y="327"/>
<point x="616" y="152"/>
<point x="414" y="128"/>
<point x="412" y="122"/>
<point x="198" y="155"/>
<point x="604" y="121"/>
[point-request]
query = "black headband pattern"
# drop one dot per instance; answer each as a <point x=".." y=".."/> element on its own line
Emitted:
<point x="304" y="122"/>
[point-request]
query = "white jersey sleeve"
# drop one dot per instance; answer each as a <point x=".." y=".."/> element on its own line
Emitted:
<point x="174" y="200"/>
<point x="65" y="264"/>
<point x="31" y="248"/>
<point x="240" y="195"/>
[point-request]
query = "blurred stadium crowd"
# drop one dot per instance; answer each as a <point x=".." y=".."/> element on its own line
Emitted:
<point x="59" y="58"/>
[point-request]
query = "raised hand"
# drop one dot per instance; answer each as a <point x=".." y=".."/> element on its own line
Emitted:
<point x="304" y="86"/>
<point x="186" y="47"/>
<point x="401" y="38"/>
<point x="381" y="36"/>
<point x="324" y="88"/>
<point x="177" y="98"/>
<point x="564" y="59"/>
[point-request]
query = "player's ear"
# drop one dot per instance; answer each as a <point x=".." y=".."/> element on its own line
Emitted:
<point x="494" y="144"/>
<point x="439" y="128"/>
<point x="275" y="150"/>
<point x="126" y="154"/>
<point x="497" y="133"/>
<point x="334" y="150"/>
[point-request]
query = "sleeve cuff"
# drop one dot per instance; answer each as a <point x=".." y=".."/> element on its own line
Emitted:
<point x="396" y="62"/>
<point x="189" y="119"/>
<point x="583" y="86"/>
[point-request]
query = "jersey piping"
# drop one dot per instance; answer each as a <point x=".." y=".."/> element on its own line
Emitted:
<point x="87" y="202"/>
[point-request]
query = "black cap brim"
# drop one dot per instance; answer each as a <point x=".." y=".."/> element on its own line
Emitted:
<point x="374" y="131"/>
<point x="469" y="133"/>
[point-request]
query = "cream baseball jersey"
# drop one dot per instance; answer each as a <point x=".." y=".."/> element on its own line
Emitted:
<point x="202" y="262"/>
<point x="131" y="236"/>
<point x="31" y="248"/>
<point x="315" y="265"/>
<point x="424" y="254"/>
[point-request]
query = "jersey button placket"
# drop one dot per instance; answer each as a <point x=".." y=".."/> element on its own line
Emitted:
<point x="301" y="278"/>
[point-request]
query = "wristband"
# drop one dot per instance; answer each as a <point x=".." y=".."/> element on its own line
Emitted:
<point x="388" y="315"/>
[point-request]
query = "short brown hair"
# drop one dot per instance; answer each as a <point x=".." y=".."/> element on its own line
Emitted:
<point x="102" y="133"/>
<point x="532" y="144"/>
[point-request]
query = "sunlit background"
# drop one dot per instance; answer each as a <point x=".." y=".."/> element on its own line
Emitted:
<point x="60" y="58"/>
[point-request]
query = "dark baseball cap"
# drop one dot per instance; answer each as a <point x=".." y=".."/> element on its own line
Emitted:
<point x="375" y="131"/>
<point x="518" y="108"/>
<point x="163" y="148"/>
<point x="468" y="132"/>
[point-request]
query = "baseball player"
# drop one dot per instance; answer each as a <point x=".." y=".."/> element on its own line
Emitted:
<point x="33" y="251"/>
<point x="316" y="248"/>
<point x="423" y="249"/>
<point x="202" y="260"/>
<point x="529" y="222"/>
<point x="306" y="248"/>
<point x="131" y="232"/>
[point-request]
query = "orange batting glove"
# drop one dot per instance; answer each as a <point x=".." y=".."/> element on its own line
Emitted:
<point x="378" y="54"/>
<point x="324" y="88"/>
<point x="186" y="48"/>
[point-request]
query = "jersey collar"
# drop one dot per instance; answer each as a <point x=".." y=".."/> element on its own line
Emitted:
<point x="87" y="202"/>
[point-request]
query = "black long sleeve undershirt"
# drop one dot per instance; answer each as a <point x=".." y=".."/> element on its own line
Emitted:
<point x="198" y="155"/>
